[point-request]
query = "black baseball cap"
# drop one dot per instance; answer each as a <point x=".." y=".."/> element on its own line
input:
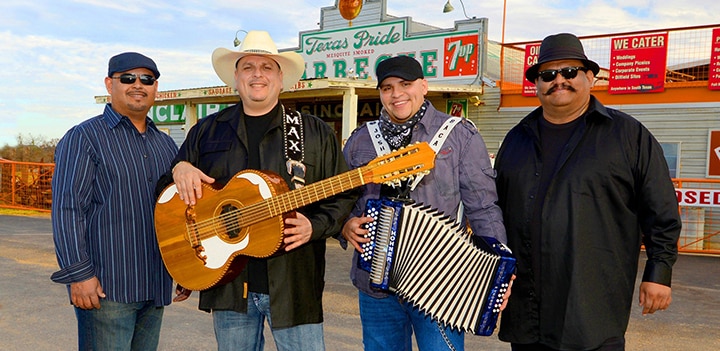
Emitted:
<point x="404" y="67"/>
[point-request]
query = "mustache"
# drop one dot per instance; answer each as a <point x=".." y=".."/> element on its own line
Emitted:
<point x="557" y="86"/>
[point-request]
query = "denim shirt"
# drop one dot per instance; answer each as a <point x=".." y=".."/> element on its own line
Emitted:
<point x="462" y="172"/>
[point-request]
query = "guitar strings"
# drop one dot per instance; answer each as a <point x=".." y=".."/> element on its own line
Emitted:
<point x="262" y="210"/>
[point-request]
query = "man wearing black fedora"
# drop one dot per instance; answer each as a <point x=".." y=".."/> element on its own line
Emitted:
<point x="582" y="187"/>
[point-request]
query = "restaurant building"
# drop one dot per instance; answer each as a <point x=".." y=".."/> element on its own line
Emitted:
<point x="669" y="79"/>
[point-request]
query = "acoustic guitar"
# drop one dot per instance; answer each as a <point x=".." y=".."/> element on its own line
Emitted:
<point x="209" y="243"/>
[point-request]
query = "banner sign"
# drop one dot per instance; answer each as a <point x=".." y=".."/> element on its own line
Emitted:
<point x="531" y="58"/>
<point x="698" y="197"/>
<point x="637" y="64"/>
<point x="354" y="52"/>
<point x="176" y="114"/>
<point x="367" y="109"/>
<point x="714" y="69"/>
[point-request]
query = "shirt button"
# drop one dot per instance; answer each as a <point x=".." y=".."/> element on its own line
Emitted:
<point x="150" y="179"/>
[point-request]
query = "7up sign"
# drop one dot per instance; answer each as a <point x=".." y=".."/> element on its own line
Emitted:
<point x="461" y="56"/>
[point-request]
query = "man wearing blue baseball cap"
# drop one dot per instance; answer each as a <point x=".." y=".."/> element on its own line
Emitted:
<point x="103" y="193"/>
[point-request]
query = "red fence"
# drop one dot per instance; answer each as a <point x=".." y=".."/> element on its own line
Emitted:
<point x="699" y="201"/>
<point x="26" y="185"/>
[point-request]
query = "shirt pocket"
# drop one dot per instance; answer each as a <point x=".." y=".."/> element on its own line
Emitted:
<point x="213" y="155"/>
<point x="445" y="173"/>
<point x="360" y="158"/>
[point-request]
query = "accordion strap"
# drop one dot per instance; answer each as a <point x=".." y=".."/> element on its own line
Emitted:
<point x="382" y="147"/>
<point x="437" y="142"/>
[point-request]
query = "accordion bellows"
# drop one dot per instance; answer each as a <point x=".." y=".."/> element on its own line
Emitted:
<point x="429" y="260"/>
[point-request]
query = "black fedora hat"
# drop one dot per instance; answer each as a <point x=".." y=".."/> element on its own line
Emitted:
<point x="563" y="46"/>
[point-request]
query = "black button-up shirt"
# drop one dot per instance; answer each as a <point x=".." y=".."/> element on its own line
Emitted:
<point x="611" y="193"/>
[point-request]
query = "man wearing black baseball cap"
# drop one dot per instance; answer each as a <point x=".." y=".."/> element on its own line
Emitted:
<point x="462" y="177"/>
<point x="103" y="196"/>
<point x="582" y="187"/>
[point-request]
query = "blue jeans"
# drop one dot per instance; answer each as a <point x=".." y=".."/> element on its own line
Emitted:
<point x="119" y="326"/>
<point x="388" y="324"/>
<point x="240" y="331"/>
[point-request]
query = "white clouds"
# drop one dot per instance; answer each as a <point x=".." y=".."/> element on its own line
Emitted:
<point x="48" y="85"/>
<point x="55" y="53"/>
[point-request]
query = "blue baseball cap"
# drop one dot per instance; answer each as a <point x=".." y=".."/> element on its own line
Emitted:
<point x="130" y="60"/>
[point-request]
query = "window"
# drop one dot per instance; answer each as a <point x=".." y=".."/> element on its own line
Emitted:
<point x="672" y="156"/>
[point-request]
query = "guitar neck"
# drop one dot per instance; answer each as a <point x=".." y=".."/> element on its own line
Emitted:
<point x="317" y="191"/>
<point x="292" y="200"/>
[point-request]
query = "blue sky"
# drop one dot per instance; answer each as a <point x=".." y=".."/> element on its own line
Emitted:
<point x="55" y="52"/>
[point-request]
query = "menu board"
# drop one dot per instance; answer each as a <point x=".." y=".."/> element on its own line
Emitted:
<point x="637" y="64"/>
<point x="714" y="69"/>
<point x="531" y="57"/>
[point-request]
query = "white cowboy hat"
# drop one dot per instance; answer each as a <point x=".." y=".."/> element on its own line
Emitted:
<point x="256" y="42"/>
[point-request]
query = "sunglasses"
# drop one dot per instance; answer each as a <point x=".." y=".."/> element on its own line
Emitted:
<point x="129" y="78"/>
<point x="566" y="72"/>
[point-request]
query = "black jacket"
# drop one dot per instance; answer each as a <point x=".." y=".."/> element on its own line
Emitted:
<point x="611" y="193"/>
<point x="217" y="146"/>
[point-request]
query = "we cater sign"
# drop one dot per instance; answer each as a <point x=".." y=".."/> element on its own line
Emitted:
<point x="355" y="52"/>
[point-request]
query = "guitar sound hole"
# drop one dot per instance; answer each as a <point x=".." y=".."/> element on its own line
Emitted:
<point x="232" y="228"/>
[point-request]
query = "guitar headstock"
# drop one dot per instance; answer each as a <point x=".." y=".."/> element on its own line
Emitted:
<point x="400" y="165"/>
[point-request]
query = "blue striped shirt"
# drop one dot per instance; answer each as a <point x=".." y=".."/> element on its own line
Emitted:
<point x="103" y="193"/>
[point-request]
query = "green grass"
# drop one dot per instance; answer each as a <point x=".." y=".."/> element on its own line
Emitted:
<point x="17" y="212"/>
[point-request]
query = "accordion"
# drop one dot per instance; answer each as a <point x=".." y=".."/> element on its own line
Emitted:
<point x="427" y="259"/>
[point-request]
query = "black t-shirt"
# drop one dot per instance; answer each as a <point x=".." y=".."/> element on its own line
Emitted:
<point x="256" y="127"/>
<point x="553" y="140"/>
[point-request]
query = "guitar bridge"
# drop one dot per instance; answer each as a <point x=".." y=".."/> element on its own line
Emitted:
<point x="193" y="234"/>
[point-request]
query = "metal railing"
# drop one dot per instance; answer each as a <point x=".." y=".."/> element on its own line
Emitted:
<point x="26" y="185"/>
<point x="688" y="56"/>
<point x="700" y="212"/>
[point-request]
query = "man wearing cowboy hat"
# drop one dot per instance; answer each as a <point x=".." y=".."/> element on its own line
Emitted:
<point x="581" y="187"/>
<point x="287" y="287"/>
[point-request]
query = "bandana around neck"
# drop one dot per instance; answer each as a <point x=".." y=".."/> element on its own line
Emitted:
<point x="398" y="135"/>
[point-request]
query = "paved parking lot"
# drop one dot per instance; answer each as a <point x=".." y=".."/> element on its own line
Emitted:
<point x="35" y="313"/>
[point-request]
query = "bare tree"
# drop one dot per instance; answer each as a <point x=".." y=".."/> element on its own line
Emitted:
<point x="30" y="148"/>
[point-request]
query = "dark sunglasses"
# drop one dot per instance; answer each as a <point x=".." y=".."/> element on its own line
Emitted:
<point x="129" y="78"/>
<point x="566" y="72"/>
